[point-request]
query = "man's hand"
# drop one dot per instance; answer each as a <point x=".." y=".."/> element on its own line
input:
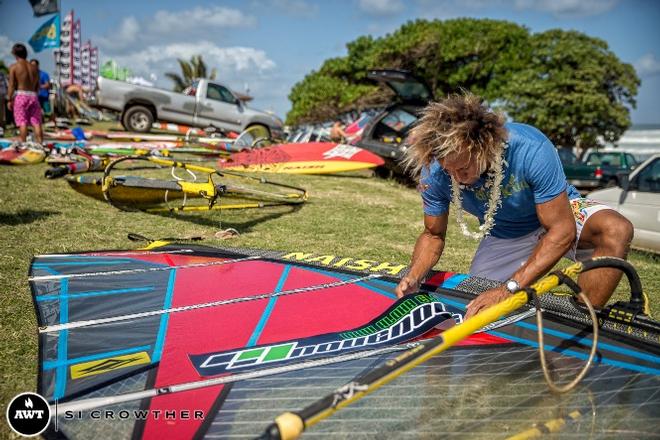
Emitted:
<point x="406" y="286"/>
<point x="10" y="104"/>
<point x="486" y="299"/>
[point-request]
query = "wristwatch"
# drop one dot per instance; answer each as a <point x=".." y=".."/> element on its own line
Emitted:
<point x="512" y="285"/>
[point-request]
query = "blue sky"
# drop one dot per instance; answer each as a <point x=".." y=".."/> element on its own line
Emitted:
<point x="269" y="45"/>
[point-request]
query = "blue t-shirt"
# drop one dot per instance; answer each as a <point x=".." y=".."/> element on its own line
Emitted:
<point x="43" y="79"/>
<point x="533" y="175"/>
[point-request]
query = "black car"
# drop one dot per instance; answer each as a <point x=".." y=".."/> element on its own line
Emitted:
<point x="385" y="134"/>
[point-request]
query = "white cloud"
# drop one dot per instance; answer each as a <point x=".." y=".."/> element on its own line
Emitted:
<point x="568" y="8"/>
<point x="300" y="8"/>
<point x="126" y="35"/>
<point x="648" y="65"/>
<point x="150" y="46"/>
<point x="381" y="7"/>
<point x="235" y="65"/>
<point x="214" y="18"/>
<point x="172" y="26"/>
<point x="5" y="50"/>
<point x="236" y="59"/>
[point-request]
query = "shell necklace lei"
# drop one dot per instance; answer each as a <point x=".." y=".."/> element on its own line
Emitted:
<point x="494" y="182"/>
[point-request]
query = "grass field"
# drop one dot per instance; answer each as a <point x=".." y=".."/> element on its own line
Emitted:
<point x="354" y="215"/>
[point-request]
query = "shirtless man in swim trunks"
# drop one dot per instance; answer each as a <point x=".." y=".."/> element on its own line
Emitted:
<point x="22" y="94"/>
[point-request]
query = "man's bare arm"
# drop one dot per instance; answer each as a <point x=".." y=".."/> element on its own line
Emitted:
<point x="557" y="218"/>
<point x="428" y="249"/>
<point x="12" y="83"/>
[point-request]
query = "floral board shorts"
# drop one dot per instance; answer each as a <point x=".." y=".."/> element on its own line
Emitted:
<point x="499" y="258"/>
<point x="27" y="110"/>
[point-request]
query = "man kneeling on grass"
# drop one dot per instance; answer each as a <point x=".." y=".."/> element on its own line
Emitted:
<point x="509" y="176"/>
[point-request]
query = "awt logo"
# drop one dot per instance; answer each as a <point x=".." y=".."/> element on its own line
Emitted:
<point x="28" y="414"/>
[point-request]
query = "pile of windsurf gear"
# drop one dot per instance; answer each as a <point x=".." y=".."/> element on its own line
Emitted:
<point x="167" y="185"/>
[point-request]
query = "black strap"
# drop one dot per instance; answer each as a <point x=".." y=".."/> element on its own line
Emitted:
<point x="568" y="281"/>
<point x="137" y="237"/>
<point x="532" y="297"/>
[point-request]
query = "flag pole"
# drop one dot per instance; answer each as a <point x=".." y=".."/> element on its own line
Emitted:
<point x="59" y="51"/>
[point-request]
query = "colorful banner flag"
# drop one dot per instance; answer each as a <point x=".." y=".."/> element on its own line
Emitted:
<point x="45" y="7"/>
<point x="47" y="36"/>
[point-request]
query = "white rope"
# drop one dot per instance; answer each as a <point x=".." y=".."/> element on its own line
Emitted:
<point x="561" y="389"/>
<point x="347" y="392"/>
<point x="116" y="254"/>
<point x="127" y="271"/>
<point x="87" y="323"/>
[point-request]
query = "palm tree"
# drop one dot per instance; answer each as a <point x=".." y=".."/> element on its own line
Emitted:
<point x="191" y="70"/>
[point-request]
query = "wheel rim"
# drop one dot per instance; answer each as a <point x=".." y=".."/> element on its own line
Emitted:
<point x="139" y="121"/>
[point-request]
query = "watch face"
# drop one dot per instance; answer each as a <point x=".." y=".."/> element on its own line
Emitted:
<point x="512" y="286"/>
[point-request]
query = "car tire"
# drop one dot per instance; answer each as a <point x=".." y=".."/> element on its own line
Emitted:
<point x="138" y="119"/>
<point x="611" y="183"/>
<point x="254" y="136"/>
<point x="261" y="132"/>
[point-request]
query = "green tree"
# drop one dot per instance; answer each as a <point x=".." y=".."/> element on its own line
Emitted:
<point x="320" y="97"/>
<point x="569" y="85"/>
<point x="340" y="85"/>
<point x="478" y="55"/>
<point x="573" y="88"/>
<point x="190" y="71"/>
<point x="3" y="67"/>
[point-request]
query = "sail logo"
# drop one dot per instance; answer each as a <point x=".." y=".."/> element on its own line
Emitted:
<point x="409" y="318"/>
<point x="28" y="414"/>
<point x="343" y="151"/>
<point x="346" y="263"/>
<point x="106" y="365"/>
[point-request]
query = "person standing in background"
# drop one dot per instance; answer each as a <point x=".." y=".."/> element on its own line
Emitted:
<point x="44" y="91"/>
<point x="22" y="94"/>
<point x="3" y="101"/>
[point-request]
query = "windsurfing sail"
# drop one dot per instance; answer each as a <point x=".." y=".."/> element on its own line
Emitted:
<point x="197" y="342"/>
<point x="153" y="193"/>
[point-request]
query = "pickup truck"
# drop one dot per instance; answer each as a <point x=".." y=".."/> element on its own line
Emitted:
<point x="598" y="170"/>
<point x="204" y="104"/>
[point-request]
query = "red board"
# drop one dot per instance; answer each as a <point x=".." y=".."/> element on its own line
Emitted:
<point x="306" y="158"/>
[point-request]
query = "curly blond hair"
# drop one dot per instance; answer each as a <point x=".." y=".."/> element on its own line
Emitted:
<point x="459" y="123"/>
